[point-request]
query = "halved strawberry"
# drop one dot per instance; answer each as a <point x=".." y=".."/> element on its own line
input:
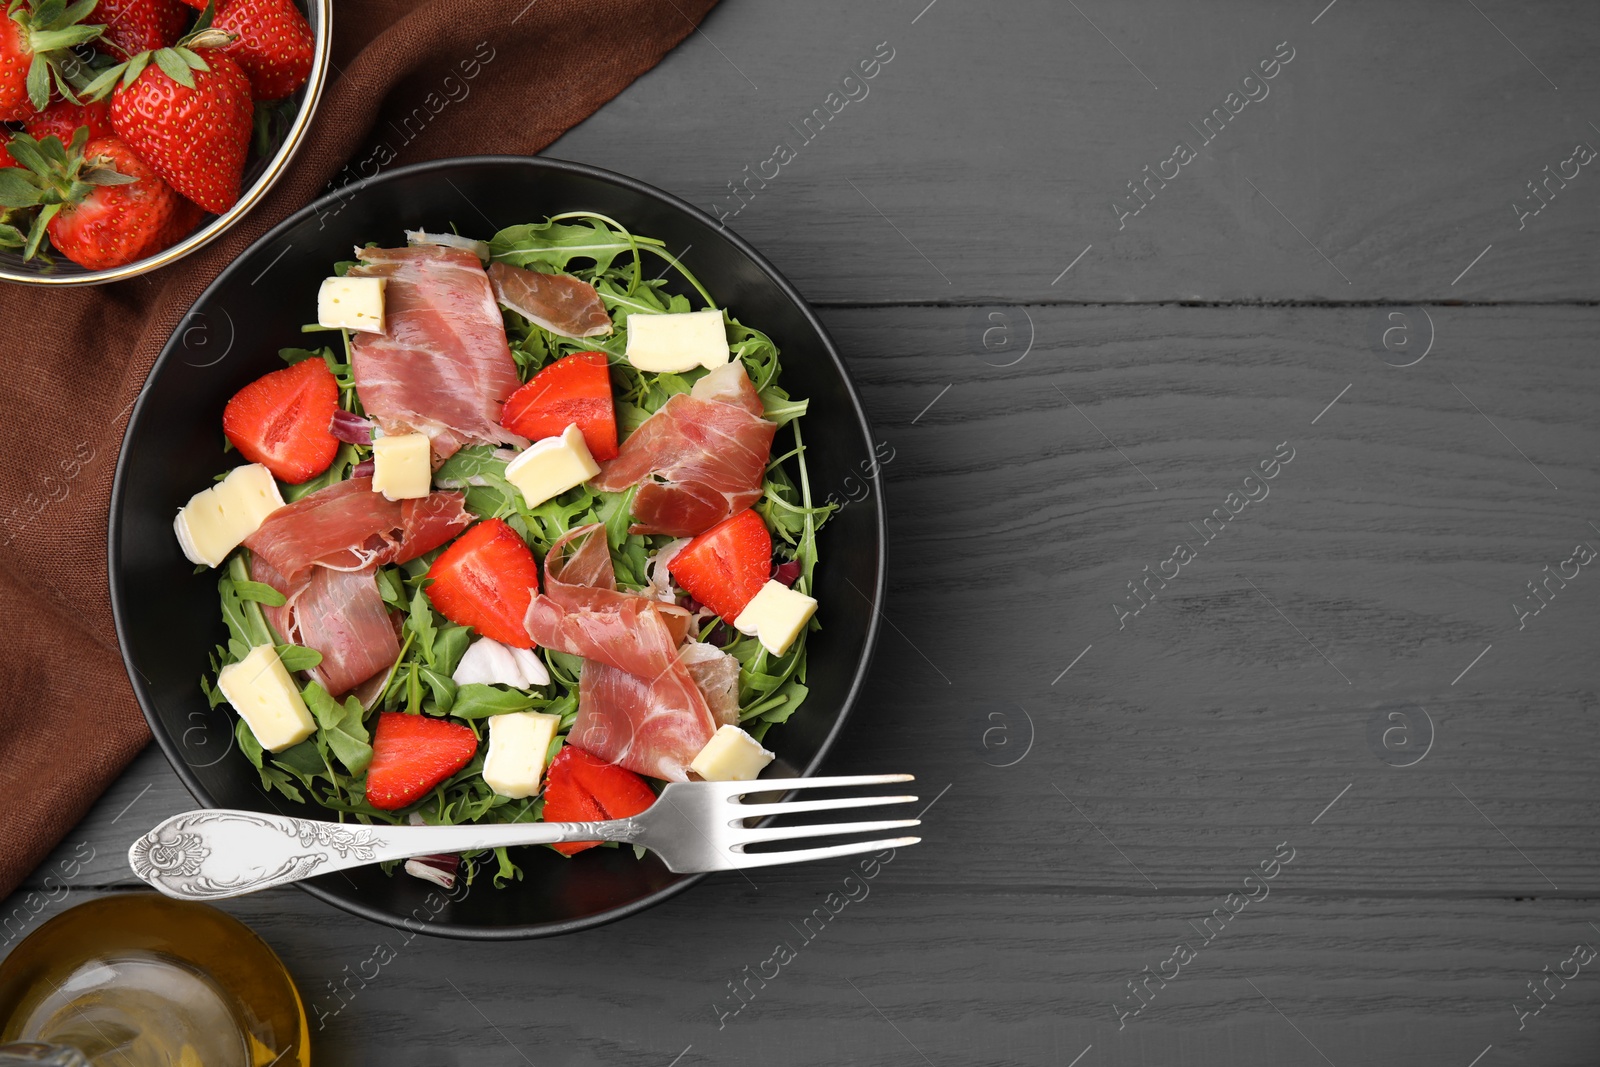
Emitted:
<point x="413" y="753"/>
<point x="584" y="788"/>
<point x="576" y="389"/>
<point x="275" y="45"/>
<point x="486" y="580"/>
<point x="62" y="119"/>
<point x="727" y="565"/>
<point x="282" y="420"/>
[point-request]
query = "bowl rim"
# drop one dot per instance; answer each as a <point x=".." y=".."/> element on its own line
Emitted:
<point x="536" y="163"/>
<point x="293" y="140"/>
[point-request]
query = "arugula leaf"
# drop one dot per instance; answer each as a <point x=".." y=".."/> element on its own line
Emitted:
<point x="392" y="588"/>
<point x="420" y="622"/>
<point x="303" y="760"/>
<point x="213" y="695"/>
<point x="343" y="460"/>
<point x="449" y="646"/>
<point x="441" y="690"/>
<point x="554" y="245"/>
<point x="248" y="744"/>
<point x="616" y="511"/>
<point x="477" y="701"/>
<point x="564" y="667"/>
<point x="506" y="872"/>
<point x="247" y="628"/>
<point x="472" y="465"/>
<point x="298" y="657"/>
<point x="259" y="592"/>
<point x="275" y="777"/>
<point x="341" y="726"/>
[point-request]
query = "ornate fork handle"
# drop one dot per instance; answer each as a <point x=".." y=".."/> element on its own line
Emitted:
<point x="211" y="854"/>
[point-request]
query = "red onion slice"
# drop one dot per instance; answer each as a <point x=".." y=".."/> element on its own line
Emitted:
<point x="787" y="572"/>
<point x="441" y="870"/>
<point x="363" y="469"/>
<point x="350" y="428"/>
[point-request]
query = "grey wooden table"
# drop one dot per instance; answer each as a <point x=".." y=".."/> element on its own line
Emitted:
<point x="1332" y="732"/>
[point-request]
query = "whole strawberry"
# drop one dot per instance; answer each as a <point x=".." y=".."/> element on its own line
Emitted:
<point x="119" y="224"/>
<point x="36" y="56"/>
<point x="274" y="44"/>
<point x="100" y="203"/>
<point x="186" y="110"/>
<point x="62" y="119"/>
<point x="134" y="26"/>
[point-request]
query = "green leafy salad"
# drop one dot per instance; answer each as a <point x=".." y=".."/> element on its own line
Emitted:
<point x="632" y="276"/>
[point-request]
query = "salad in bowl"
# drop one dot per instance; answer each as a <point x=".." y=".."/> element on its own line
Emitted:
<point x="519" y="534"/>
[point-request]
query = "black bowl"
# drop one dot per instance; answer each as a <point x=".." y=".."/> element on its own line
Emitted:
<point x="167" y="618"/>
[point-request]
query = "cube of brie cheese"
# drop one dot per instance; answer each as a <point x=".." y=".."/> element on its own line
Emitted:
<point x="261" y="691"/>
<point x="402" y="466"/>
<point x="518" y="744"/>
<point x="550" y="467"/>
<point x="672" y="344"/>
<point x="351" y="304"/>
<point x="215" y="521"/>
<point x="731" y="756"/>
<point x="775" y="616"/>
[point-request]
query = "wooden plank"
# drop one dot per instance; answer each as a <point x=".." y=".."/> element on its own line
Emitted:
<point x="956" y="972"/>
<point x="1210" y="724"/>
<point x="988" y="153"/>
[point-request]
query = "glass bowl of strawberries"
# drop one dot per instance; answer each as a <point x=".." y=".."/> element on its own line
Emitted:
<point x="133" y="132"/>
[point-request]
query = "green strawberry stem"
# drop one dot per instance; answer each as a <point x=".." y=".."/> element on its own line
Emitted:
<point x="175" y="62"/>
<point x="52" y="30"/>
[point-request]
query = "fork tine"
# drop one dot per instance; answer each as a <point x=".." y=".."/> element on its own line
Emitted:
<point x="783" y="785"/>
<point x="794" y="807"/>
<point x="783" y="833"/>
<point x="803" y="855"/>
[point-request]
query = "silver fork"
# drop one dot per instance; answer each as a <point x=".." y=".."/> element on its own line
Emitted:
<point x="210" y="854"/>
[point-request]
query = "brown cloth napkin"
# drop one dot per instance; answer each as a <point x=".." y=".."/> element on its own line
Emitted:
<point x="74" y="360"/>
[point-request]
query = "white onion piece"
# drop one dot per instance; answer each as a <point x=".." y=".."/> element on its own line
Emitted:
<point x="488" y="662"/>
<point x="656" y="573"/>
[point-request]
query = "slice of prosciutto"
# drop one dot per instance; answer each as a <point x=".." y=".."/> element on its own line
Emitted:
<point x="348" y="527"/>
<point x="697" y="460"/>
<point x="645" y="726"/>
<point x="322" y="553"/>
<point x="342" y="615"/>
<point x="717" y="675"/>
<point x="646" y="700"/>
<point x="444" y="367"/>
<point x="583" y="613"/>
<point x="560" y="303"/>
